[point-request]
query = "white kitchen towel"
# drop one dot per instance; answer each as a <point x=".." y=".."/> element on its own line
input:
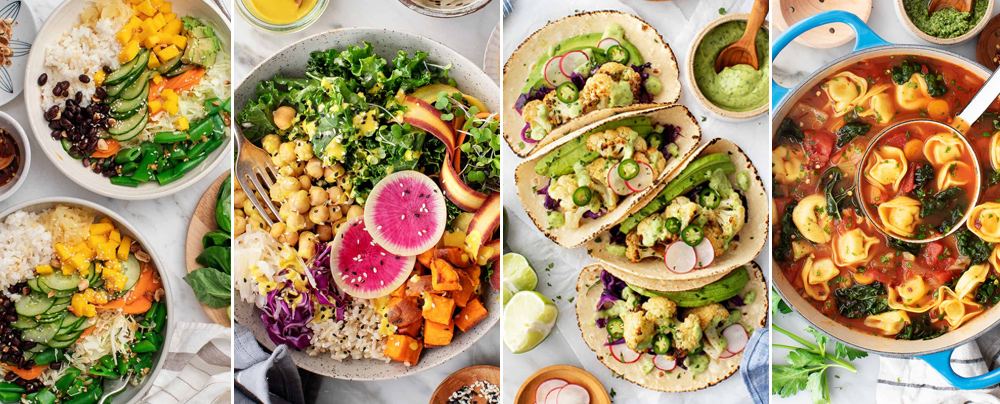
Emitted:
<point x="913" y="381"/>
<point x="198" y="368"/>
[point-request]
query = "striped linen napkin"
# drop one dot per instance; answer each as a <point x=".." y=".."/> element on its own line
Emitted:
<point x="912" y="381"/>
<point x="508" y="6"/>
<point x="198" y="368"/>
<point x="755" y="367"/>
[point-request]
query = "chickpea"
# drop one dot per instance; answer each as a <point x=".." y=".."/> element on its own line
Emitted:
<point x="355" y="211"/>
<point x="271" y="143"/>
<point x="334" y="172"/>
<point x="319" y="214"/>
<point x="277" y="229"/>
<point x="295" y="222"/>
<point x="240" y="225"/>
<point x="318" y="196"/>
<point x="338" y="225"/>
<point x="314" y="168"/>
<point x="247" y="207"/>
<point x="286" y="152"/>
<point x="239" y="197"/>
<point x="290" y="237"/>
<point x="303" y="150"/>
<point x="285" y="170"/>
<point x="277" y="194"/>
<point x="335" y="213"/>
<point x="307" y="245"/>
<point x="324" y="232"/>
<point x="305" y="181"/>
<point x="256" y="223"/>
<point x="297" y="168"/>
<point x="299" y="201"/>
<point x="285" y="211"/>
<point x="283" y="117"/>
<point x="336" y="195"/>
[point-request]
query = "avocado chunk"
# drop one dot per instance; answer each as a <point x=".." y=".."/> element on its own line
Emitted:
<point x="203" y="45"/>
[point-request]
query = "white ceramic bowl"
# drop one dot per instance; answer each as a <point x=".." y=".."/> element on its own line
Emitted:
<point x="22" y="36"/>
<point x="291" y="62"/>
<point x="11" y="126"/>
<point x="61" y="21"/>
<point x="132" y="394"/>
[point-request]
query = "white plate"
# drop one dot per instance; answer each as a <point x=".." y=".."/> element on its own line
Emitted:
<point x="22" y="36"/>
<point x="491" y="60"/>
<point x="66" y="16"/>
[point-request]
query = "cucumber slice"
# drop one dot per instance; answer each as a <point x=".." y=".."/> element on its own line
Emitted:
<point x="33" y="284"/>
<point x="169" y="65"/>
<point x="70" y="323"/>
<point x="85" y="324"/>
<point x="24" y="323"/>
<point x="56" y="310"/>
<point x="126" y="125"/>
<point x="137" y="86"/>
<point x="57" y="281"/>
<point x="177" y="71"/>
<point x="33" y="304"/>
<point x="70" y="340"/>
<point x="41" y="334"/>
<point x="132" y="270"/>
<point x="56" y="317"/>
<point x="128" y="70"/>
<point x="132" y="133"/>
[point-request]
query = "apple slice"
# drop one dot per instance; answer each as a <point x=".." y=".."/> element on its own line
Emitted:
<point x="607" y="43"/>
<point x="571" y="61"/>
<point x="705" y="253"/>
<point x="642" y="180"/>
<point x="664" y="363"/>
<point x="573" y="394"/>
<point x="623" y="354"/>
<point x="680" y="258"/>
<point x="552" y="74"/>
<point x="616" y="182"/>
<point x="736" y="338"/>
<point x="546" y="387"/>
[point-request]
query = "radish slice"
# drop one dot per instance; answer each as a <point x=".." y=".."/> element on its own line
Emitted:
<point x="607" y="43"/>
<point x="571" y="61"/>
<point x="736" y="338"/>
<point x="705" y="253"/>
<point x="664" y="363"/>
<point x="553" y="396"/>
<point x="552" y="74"/>
<point x="680" y="257"/>
<point x="726" y="354"/>
<point x="642" y="180"/>
<point x="623" y="354"/>
<point x="616" y="182"/>
<point x="573" y="394"/>
<point x="543" y="390"/>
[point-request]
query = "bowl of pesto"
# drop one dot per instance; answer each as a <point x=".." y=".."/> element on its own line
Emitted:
<point x="737" y="92"/>
<point x="946" y="26"/>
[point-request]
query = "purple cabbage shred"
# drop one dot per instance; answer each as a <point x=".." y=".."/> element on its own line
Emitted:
<point x="644" y="96"/>
<point x="533" y="94"/>
<point x="591" y="215"/>
<point x="615" y="342"/>
<point x="612" y="285"/>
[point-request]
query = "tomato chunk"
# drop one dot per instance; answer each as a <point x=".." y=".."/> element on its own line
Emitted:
<point x="819" y="146"/>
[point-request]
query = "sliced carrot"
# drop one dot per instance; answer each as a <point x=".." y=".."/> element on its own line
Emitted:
<point x="458" y="151"/>
<point x="147" y="283"/>
<point x="156" y="89"/>
<point x="484" y="115"/>
<point x="112" y="305"/>
<point x="30" y="374"/>
<point x="113" y="148"/>
<point x="139" y="306"/>
<point x="86" y="332"/>
<point x="181" y="83"/>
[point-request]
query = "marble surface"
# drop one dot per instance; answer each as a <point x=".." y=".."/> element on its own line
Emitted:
<point x="468" y="35"/>
<point x="790" y="67"/>
<point x="558" y="268"/>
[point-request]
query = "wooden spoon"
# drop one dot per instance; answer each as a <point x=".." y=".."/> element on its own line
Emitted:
<point x="744" y="50"/>
<point x="960" y="5"/>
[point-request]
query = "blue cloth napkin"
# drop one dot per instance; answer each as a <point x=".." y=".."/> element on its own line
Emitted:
<point x="754" y="368"/>
<point x="508" y="6"/>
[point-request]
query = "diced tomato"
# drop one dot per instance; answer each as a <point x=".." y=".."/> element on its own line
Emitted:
<point x="932" y="253"/>
<point x="896" y="139"/>
<point x="941" y="276"/>
<point x="909" y="181"/>
<point x="883" y="277"/>
<point x="818" y="146"/>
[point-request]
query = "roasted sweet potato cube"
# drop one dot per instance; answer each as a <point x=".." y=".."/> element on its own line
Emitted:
<point x="436" y="334"/>
<point x="476" y="274"/>
<point x="412" y="329"/>
<point x="472" y="314"/>
<point x="426" y="257"/>
<point x="444" y="277"/>
<point x="463" y="295"/>
<point x="402" y="348"/>
<point x="438" y="309"/>
<point x="399" y="292"/>
<point x="418" y="285"/>
<point x="402" y="311"/>
<point x="454" y="255"/>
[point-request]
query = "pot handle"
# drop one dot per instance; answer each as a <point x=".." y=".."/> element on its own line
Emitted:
<point x="865" y="38"/>
<point x="941" y="362"/>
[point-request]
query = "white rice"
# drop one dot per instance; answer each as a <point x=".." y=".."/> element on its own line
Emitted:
<point x="357" y="337"/>
<point x="24" y="244"/>
<point x="85" y="49"/>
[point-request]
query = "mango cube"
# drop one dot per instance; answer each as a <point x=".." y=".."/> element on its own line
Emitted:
<point x="183" y="124"/>
<point x="43" y="269"/>
<point x="153" y="62"/>
<point x="123" y="248"/>
<point x="155" y="106"/>
<point x="146" y="7"/>
<point x="180" y="41"/>
<point x="168" y="53"/>
<point x="101" y="229"/>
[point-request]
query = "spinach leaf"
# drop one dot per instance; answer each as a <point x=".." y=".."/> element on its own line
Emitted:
<point x="934" y="204"/>
<point x="224" y="205"/>
<point x="935" y="85"/>
<point x="920" y="328"/>
<point x="923" y="175"/>
<point x="971" y="246"/>
<point x="783" y="251"/>
<point x="851" y="130"/>
<point x="988" y="293"/>
<point x="216" y="257"/>
<point x="860" y="300"/>
<point x="993" y="178"/>
<point x="215" y="238"/>
<point x="833" y="199"/>
<point x="791" y="131"/>
<point x="211" y="287"/>
<point x="900" y="245"/>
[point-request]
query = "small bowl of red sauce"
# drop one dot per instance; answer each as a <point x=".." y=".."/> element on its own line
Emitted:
<point x="15" y="156"/>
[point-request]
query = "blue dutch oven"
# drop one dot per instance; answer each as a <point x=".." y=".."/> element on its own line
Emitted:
<point x="936" y="352"/>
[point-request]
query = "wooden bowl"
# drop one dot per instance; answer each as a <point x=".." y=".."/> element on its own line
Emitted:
<point x="203" y="221"/>
<point x="572" y="374"/>
<point x="693" y="83"/>
<point x="901" y="13"/>
<point x="466" y="377"/>
<point x="986" y="49"/>
<point x="827" y="36"/>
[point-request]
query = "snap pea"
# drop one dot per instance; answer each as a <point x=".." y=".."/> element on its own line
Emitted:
<point x="213" y="105"/>
<point x="170" y="137"/>
<point x="125" y="181"/>
<point x="128" y="155"/>
<point x="11" y="388"/>
<point x="104" y="372"/>
<point x="108" y="361"/>
<point x="46" y="357"/>
<point x="90" y="397"/>
<point x="144" y="347"/>
<point x="67" y="380"/>
<point x="179" y="152"/>
<point x="200" y="129"/>
<point x="218" y="125"/>
<point x="150" y="153"/>
<point x="9" y="397"/>
<point x="196" y="150"/>
<point x="128" y="168"/>
<point x="44" y="397"/>
<point x="176" y="173"/>
<point x="122" y="366"/>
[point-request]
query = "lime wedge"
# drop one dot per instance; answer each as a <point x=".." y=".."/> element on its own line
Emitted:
<point x="517" y="275"/>
<point x="527" y="320"/>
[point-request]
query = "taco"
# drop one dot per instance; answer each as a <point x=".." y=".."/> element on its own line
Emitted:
<point x="585" y="67"/>
<point x="671" y="341"/>
<point x="588" y="181"/>
<point x="693" y="229"/>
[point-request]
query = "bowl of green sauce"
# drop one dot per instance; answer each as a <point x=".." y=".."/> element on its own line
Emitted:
<point x="947" y="26"/>
<point x="737" y="92"/>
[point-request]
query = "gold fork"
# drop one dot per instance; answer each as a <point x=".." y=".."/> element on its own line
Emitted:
<point x="256" y="175"/>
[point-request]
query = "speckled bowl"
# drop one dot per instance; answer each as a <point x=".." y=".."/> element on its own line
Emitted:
<point x="17" y="132"/>
<point x="291" y="62"/>
<point x="905" y="19"/>
<point x="693" y="83"/>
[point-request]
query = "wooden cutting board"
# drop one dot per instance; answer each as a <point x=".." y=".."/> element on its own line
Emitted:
<point x="466" y="377"/>
<point x="203" y="221"/>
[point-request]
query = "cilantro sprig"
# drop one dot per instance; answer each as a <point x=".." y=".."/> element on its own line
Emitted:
<point x="807" y="365"/>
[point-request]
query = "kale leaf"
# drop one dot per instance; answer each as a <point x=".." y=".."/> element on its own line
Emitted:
<point x="934" y="204"/>
<point x="902" y="73"/>
<point x="973" y="247"/>
<point x="988" y="293"/>
<point x="783" y="251"/>
<point x="954" y="216"/>
<point x="860" y="300"/>
<point x="851" y="130"/>
<point x="920" y="328"/>
<point x="935" y="83"/>
<point x="923" y="175"/>
<point x="831" y="178"/>
<point x="791" y="131"/>
<point x="912" y="248"/>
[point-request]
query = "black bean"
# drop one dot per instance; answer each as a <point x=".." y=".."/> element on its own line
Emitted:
<point x="52" y="113"/>
<point x="107" y="69"/>
<point x="101" y="92"/>
<point x="44" y="78"/>
<point x="10" y="376"/>
<point x="84" y="78"/>
<point x="55" y="365"/>
<point x="55" y="125"/>
<point x="78" y="97"/>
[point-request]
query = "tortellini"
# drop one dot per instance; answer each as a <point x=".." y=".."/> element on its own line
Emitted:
<point x="900" y="216"/>
<point x="887" y="167"/>
<point x="812" y="219"/>
<point x="844" y="89"/>
<point x="995" y="151"/>
<point x="879" y="104"/>
<point x="890" y="322"/>
<point x="943" y="148"/>
<point x="995" y="258"/>
<point x="984" y="221"/>
<point x="971" y="279"/>
<point x="954" y="174"/>
<point x="816" y="274"/>
<point x="851" y="248"/>
<point x="789" y="165"/>
<point x="956" y="310"/>
<point x="912" y="95"/>
<point x="913" y="295"/>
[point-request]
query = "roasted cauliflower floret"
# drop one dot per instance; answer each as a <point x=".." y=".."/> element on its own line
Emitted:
<point x="654" y="158"/>
<point x="660" y="310"/>
<point x="562" y="189"/>
<point x="634" y="250"/>
<point x="687" y="335"/>
<point x="598" y="170"/>
<point x="729" y="218"/>
<point x="597" y="93"/>
<point x="620" y="72"/>
<point x="652" y="229"/>
<point x="708" y="315"/>
<point x="613" y="143"/>
<point x="638" y="330"/>
<point x="683" y="209"/>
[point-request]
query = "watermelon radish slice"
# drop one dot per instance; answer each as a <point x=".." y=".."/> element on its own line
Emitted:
<point x="616" y="182"/>
<point x="664" y="363"/>
<point x="642" y="180"/>
<point x="623" y="354"/>
<point x="572" y="60"/>
<point x="607" y="43"/>
<point x="553" y="75"/>
<point x="361" y="267"/>
<point x="736" y="338"/>
<point x="680" y="257"/>
<point x="546" y="387"/>
<point x="726" y="354"/>
<point x="573" y="394"/>
<point x="705" y="253"/>
<point x="405" y="213"/>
